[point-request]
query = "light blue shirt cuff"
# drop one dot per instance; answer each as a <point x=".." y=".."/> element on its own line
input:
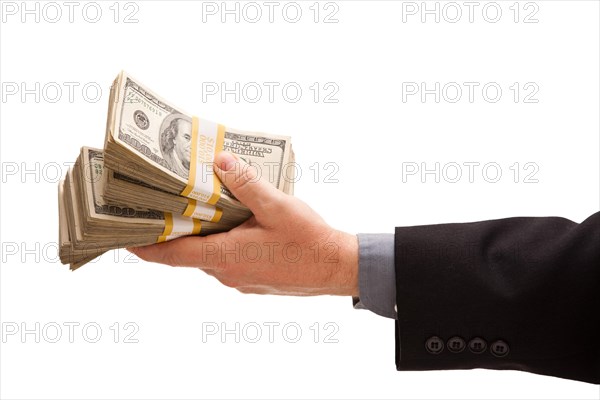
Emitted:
<point x="376" y="274"/>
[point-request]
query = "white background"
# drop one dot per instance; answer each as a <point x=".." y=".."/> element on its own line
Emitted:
<point x="369" y="133"/>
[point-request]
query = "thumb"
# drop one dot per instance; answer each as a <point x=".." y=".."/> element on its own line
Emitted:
<point x="246" y="183"/>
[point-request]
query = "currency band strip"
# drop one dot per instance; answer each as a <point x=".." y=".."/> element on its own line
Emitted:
<point x="207" y="138"/>
<point x="177" y="226"/>
<point x="203" y="211"/>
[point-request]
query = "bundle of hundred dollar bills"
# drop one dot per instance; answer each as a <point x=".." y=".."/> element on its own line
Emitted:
<point x="153" y="181"/>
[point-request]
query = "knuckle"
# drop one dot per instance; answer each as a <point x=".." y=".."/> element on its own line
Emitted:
<point x="241" y="184"/>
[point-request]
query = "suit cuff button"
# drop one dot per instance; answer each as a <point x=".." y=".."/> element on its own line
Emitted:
<point x="499" y="348"/>
<point x="456" y="344"/>
<point x="477" y="345"/>
<point x="434" y="345"/>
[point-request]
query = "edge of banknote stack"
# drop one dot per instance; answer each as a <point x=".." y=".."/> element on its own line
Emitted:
<point x="153" y="180"/>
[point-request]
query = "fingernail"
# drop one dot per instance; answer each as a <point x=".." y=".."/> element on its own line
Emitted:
<point x="131" y="249"/>
<point x="225" y="161"/>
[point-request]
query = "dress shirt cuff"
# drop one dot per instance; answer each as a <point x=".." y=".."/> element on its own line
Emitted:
<point x="376" y="274"/>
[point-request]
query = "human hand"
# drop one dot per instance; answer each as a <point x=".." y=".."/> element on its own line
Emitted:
<point x="285" y="248"/>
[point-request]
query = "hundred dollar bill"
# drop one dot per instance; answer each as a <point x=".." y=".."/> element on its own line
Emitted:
<point x="153" y="141"/>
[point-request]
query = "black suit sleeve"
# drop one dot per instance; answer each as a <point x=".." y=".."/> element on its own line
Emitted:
<point x="516" y="293"/>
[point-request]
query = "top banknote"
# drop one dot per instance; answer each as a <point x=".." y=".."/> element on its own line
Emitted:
<point x="150" y="139"/>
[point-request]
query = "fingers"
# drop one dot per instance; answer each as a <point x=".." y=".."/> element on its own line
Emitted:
<point x="246" y="185"/>
<point x="189" y="251"/>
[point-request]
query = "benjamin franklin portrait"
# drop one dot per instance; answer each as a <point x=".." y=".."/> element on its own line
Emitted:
<point x="175" y="143"/>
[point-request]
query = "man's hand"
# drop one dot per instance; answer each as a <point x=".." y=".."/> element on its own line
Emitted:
<point x="284" y="248"/>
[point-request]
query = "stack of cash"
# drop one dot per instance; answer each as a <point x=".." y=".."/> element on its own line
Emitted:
<point x="153" y="181"/>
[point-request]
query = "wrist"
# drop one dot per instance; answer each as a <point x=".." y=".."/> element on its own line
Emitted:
<point x="345" y="277"/>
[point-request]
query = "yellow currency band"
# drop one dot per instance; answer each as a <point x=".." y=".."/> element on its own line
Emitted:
<point x="189" y="210"/>
<point x="190" y="190"/>
<point x="193" y="159"/>
<point x="216" y="182"/>
<point x="196" y="228"/>
<point x="168" y="228"/>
